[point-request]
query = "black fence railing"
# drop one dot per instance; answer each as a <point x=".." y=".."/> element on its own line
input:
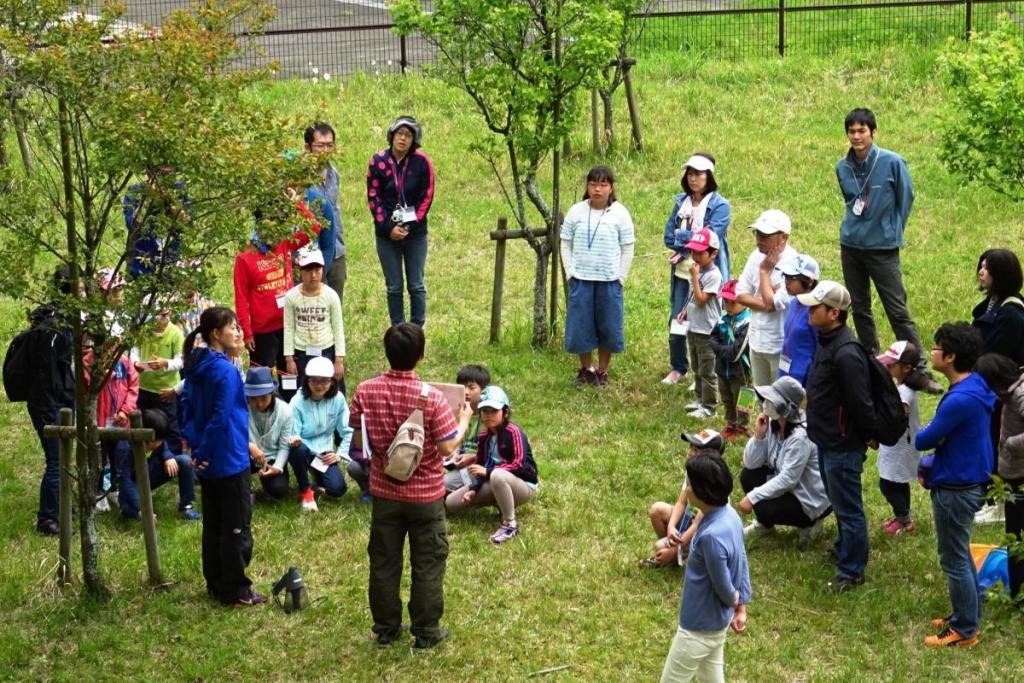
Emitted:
<point x="322" y="39"/>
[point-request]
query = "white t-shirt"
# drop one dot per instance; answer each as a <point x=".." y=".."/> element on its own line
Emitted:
<point x="597" y="237"/>
<point x="766" y="330"/>
<point x="899" y="463"/>
<point x="704" y="318"/>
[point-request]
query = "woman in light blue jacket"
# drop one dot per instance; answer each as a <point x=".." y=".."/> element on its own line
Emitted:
<point x="698" y="206"/>
<point x="319" y="411"/>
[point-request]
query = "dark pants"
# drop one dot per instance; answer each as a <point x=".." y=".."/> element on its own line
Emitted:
<point x="49" y="487"/>
<point x="227" y="536"/>
<point x="336" y="276"/>
<point x="302" y="360"/>
<point x="679" y="295"/>
<point x="128" y="490"/>
<point x="269" y="353"/>
<point x="1014" y="527"/>
<point x="784" y="510"/>
<point x="841" y="472"/>
<point x="861" y="267"/>
<point x="150" y="401"/>
<point x="409" y="254"/>
<point x="299" y="458"/>
<point x="390" y="522"/>
<point x="898" y="496"/>
<point x="359" y="470"/>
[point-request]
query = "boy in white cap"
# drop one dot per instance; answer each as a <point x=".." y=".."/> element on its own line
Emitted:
<point x="702" y="314"/>
<point x="897" y="464"/>
<point x="840" y="422"/>
<point x="758" y="283"/>
<point x="801" y="275"/>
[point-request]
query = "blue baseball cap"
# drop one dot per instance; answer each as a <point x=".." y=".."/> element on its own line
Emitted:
<point x="493" y="397"/>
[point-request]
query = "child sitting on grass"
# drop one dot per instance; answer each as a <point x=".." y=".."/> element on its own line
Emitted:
<point x="163" y="465"/>
<point x="703" y="313"/>
<point x="717" y="577"/>
<point x="732" y="360"/>
<point x="676" y="524"/>
<point x="475" y="379"/>
<point x="504" y="472"/>
<point x="897" y="464"/>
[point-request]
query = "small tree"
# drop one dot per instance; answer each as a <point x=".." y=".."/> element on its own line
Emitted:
<point x="522" y="62"/>
<point x="983" y="136"/>
<point x="105" y="105"/>
<point x="634" y="19"/>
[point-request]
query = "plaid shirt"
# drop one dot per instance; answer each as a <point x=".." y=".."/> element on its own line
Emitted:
<point x="386" y="402"/>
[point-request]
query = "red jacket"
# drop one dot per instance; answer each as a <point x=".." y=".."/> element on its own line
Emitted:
<point x="121" y="393"/>
<point x="261" y="278"/>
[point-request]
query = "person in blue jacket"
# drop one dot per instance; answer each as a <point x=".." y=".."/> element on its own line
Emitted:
<point x="216" y="425"/>
<point x="960" y="472"/>
<point x="698" y="206"/>
<point x="878" y="196"/>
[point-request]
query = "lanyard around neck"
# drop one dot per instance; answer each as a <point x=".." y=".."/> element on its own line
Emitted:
<point x="867" y="178"/>
<point x="592" y="235"/>
<point x="399" y="179"/>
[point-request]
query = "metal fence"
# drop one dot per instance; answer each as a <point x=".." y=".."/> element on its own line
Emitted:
<point x="325" y="38"/>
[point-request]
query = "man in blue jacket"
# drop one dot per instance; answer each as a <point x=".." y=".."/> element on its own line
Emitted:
<point x="962" y="440"/>
<point x="878" y="195"/>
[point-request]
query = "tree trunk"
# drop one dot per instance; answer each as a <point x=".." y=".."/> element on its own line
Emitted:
<point x="609" y="124"/>
<point x="540" y="290"/>
<point x="19" y="129"/>
<point x="89" y="477"/>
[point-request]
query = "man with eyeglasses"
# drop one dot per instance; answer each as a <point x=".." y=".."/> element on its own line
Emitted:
<point x="319" y="139"/>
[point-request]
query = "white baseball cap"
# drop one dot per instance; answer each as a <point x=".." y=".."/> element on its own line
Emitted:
<point x="771" y="222"/>
<point x="309" y="257"/>
<point x="699" y="162"/>
<point x="801" y="264"/>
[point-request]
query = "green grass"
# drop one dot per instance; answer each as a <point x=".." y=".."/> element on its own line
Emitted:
<point x="567" y="591"/>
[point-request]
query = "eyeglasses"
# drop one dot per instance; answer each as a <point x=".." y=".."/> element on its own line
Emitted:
<point x="938" y="348"/>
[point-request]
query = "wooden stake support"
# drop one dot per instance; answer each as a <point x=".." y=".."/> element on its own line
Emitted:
<point x="501" y="235"/>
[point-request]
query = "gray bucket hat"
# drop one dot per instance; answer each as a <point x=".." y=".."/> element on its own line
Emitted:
<point x="787" y="396"/>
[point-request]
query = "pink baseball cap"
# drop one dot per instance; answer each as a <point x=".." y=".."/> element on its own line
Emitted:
<point x="702" y="240"/>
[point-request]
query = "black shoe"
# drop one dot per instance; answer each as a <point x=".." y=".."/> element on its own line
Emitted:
<point x="388" y="637"/>
<point x="48" y="527"/>
<point x="841" y="584"/>
<point x="424" y="643"/>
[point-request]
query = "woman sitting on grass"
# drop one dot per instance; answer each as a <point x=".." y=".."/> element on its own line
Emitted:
<point x="504" y="473"/>
<point x="318" y="411"/>
<point x="780" y="466"/>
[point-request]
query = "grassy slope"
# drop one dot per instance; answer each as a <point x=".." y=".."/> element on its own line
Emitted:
<point x="567" y="592"/>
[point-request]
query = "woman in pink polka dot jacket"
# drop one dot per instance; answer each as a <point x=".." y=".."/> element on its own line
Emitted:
<point x="400" y="189"/>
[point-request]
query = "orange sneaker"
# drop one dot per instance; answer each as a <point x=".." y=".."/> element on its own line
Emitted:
<point x="950" y="638"/>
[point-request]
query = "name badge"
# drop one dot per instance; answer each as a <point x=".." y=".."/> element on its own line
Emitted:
<point x="858" y="206"/>
<point x="408" y="214"/>
<point x="289" y="383"/>
<point x="784" y="363"/>
<point x="679" y="328"/>
<point x="280" y="300"/>
<point x="313" y="351"/>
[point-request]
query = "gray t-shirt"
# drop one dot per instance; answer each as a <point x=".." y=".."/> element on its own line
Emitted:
<point x="704" y="318"/>
<point x="899" y="463"/>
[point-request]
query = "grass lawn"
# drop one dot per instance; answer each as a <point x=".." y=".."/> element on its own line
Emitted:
<point x="567" y="591"/>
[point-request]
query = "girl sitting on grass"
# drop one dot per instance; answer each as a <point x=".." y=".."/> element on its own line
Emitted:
<point x="505" y="473"/>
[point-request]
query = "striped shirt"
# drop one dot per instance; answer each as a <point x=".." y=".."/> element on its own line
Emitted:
<point x="597" y="237"/>
<point x="386" y="401"/>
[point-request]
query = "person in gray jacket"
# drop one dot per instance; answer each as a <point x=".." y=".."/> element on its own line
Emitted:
<point x="780" y="474"/>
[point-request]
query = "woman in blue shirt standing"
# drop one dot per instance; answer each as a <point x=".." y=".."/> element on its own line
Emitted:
<point x="698" y="206"/>
<point x="216" y="424"/>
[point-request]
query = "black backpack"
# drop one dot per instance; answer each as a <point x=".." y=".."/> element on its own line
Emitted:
<point x="18" y="366"/>
<point x="891" y="420"/>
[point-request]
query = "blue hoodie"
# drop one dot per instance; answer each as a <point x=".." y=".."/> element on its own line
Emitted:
<point x="215" y="415"/>
<point x="960" y="434"/>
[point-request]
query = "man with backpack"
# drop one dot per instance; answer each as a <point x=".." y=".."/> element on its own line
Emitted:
<point x="380" y="412"/>
<point x="841" y="423"/>
<point x="37" y="370"/>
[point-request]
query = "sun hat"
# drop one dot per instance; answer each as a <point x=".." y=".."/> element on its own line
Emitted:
<point x="259" y="382"/>
<point x="320" y="367"/>
<point x="786" y="395"/>
<point x="699" y="162"/>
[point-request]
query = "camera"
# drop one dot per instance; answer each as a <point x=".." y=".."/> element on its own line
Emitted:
<point x="397" y="215"/>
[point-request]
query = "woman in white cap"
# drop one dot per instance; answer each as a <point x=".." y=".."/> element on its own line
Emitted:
<point x="699" y="205"/>
<point x="319" y="411"/>
<point x="400" y="190"/>
<point x="780" y="466"/>
<point x="504" y="473"/>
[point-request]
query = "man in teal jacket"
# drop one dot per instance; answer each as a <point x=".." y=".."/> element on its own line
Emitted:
<point x="878" y="195"/>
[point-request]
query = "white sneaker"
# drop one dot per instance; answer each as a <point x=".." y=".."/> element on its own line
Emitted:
<point x="693" y="388"/>
<point x="990" y="514"/>
<point x="309" y="502"/>
<point x="755" y="528"/>
<point x="102" y="505"/>
<point x="672" y="378"/>
<point x="701" y="413"/>
<point x="692" y="405"/>
<point x="810" y="533"/>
